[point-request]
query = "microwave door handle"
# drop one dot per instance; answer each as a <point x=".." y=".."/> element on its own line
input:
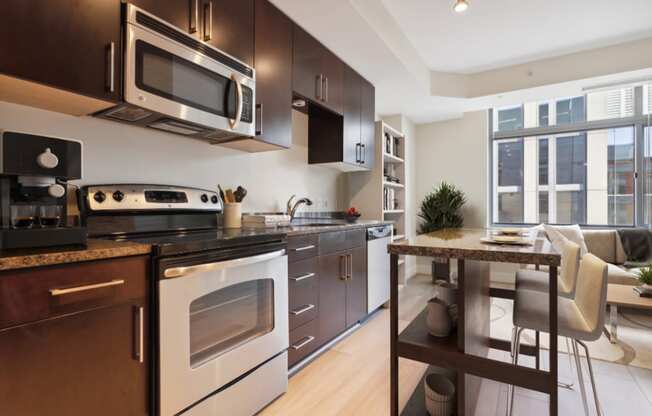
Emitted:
<point x="174" y="272"/>
<point x="238" y="112"/>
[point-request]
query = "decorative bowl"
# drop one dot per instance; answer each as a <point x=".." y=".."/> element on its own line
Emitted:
<point x="351" y="218"/>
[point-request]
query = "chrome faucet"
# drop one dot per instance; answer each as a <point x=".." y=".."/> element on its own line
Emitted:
<point x="292" y="208"/>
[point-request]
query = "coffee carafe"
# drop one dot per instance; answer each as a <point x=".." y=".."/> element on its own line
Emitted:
<point x="34" y="175"/>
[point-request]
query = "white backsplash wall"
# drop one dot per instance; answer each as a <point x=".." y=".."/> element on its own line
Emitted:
<point x="115" y="153"/>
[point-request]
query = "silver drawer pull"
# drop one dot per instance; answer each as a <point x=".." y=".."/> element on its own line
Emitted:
<point x="59" y="292"/>
<point x="300" y="278"/>
<point x="139" y="338"/>
<point x="310" y="247"/>
<point x="302" y="310"/>
<point x="304" y="341"/>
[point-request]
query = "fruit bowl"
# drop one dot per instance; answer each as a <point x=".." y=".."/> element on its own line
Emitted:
<point x="351" y="218"/>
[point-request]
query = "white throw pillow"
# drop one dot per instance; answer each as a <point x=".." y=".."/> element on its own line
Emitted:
<point x="571" y="232"/>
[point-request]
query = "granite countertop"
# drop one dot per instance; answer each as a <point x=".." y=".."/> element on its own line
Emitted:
<point x="103" y="249"/>
<point x="95" y="250"/>
<point x="465" y="243"/>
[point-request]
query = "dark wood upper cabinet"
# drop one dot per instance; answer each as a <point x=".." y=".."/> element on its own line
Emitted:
<point x="79" y="352"/>
<point x="229" y="26"/>
<point x="273" y="64"/>
<point x="317" y="73"/>
<point x="367" y="123"/>
<point x="351" y="140"/>
<point x="351" y="147"/>
<point x="73" y="45"/>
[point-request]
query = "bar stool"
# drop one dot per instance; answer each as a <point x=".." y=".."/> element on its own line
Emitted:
<point x="580" y="319"/>
<point x="566" y="282"/>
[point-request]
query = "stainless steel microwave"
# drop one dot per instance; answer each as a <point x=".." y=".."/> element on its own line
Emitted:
<point x="176" y="83"/>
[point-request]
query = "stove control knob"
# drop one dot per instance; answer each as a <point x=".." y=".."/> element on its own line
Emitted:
<point x="204" y="198"/>
<point x="56" y="190"/>
<point x="214" y="199"/>
<point x="47" y="159"/>
<point x="118" y="196"/>
<point x="99" y="197"/>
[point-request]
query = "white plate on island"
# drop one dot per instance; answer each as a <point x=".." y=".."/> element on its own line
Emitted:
<point x="507" y="240"/>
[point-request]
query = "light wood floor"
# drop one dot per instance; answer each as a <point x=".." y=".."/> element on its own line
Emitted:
<point x="352" y="378"/>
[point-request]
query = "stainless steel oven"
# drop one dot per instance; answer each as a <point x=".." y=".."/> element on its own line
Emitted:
<point x="176" y="83"/>
<point x="223" y="327"/>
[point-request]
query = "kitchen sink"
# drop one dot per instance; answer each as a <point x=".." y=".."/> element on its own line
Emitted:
<point x="316" y="224"/>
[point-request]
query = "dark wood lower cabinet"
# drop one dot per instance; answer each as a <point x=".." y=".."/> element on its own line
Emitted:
<point x="82" y="364"/>
<point x="73" y="339"/>
<point x="332" y="296"/>
<point x="356" y="287"/>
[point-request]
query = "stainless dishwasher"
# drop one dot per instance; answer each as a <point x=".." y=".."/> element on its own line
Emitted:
<point x="378" y="266"/>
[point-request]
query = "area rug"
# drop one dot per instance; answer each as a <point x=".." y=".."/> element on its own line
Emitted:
<point x="634" y="345"/>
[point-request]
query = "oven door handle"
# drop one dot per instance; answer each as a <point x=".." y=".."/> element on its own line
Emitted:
<point x="175" y="272"/>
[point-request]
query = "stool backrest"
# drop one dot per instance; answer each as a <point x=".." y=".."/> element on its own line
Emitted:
<point x="591" y="293"/>
<point x="570" y="264"/>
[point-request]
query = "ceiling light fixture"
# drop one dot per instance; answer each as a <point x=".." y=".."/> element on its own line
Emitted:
<point x="460" y="6"/>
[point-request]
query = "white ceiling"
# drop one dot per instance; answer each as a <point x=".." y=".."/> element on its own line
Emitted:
<point x="396" y="44"/>
<point x="495" y="33"/>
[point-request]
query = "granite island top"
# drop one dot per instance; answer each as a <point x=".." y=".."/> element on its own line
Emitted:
<point x="95" y="250"/>
<point x="464" y="243"/>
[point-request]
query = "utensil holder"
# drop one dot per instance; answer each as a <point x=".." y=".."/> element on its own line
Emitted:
<point x="233" y="215"/>
<point x="439" y="395"/>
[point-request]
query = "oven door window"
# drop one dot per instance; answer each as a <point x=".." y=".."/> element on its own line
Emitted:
<point x="167" y="75"/>
<point x="227" y="318"/>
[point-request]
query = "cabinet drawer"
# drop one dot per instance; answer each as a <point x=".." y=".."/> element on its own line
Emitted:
<point x="303" y="341"/>
<point x="29" y="295"/>
<point x="302" y="247"/>
<point x="303" y="291"/>
<point x="334" y="241"/>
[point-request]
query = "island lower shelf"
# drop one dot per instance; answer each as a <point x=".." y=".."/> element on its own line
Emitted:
<point x="415" y="343"/>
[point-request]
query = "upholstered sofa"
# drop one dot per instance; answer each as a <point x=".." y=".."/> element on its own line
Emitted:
<point x="606" y="245"/>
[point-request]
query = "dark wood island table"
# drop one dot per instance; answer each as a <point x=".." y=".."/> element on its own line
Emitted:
<point x="466" y="350"/>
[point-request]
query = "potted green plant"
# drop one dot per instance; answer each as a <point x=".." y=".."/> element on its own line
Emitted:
<point x="440" y="209"/>
<point x="645" y="277"/>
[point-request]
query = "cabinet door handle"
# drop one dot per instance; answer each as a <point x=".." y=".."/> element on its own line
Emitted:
<point x="110" y="67"/>
<point x="343" y="269"/>
<point x="59" y="292"/>
<point x="349" y="276"/>
<point x="259" y="119"/>
<point x="357" y="153"/>
<point x="302" y="277"/>
<point x="303" y="342"/>
<point x="319" y="86"/>
<point x="305" y="309"/>
<point x="194" y="16"/>
<point x="208" y="21"/>
<point x="325" y="89"/>
<point x="304" y="248"/>
<point x="139" y="335"/>
<point x="363" y="152"/>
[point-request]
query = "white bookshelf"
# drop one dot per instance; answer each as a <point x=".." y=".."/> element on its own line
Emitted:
<point x="367" y="189"/>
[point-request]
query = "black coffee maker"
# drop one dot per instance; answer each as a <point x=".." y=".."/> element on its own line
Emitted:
<point x="34" y="175"/>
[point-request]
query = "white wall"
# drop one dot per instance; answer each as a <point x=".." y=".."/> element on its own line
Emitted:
<point x="455" y="151"/>
<point x="115" y="153"/>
